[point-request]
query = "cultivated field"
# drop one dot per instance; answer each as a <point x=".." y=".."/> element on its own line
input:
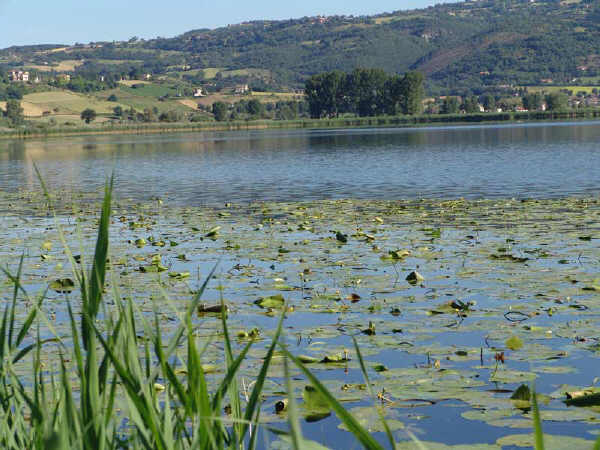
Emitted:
<point x="62" y="66"/>
<point x="141" y="98"/>
<point x="132" y="82"/>
<point x="62" y="103"/>
<point x="551" y="89"/>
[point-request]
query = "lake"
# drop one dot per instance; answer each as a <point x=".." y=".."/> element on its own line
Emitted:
<point x="502" y="223"/>
<point x="529" y="160"/>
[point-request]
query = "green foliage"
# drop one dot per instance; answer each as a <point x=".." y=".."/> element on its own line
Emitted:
<point x="450" y="106"/>
<point x="489" y="102"/>
<point x="88" y="115"/>
<point x="471" y="105"/>
<point x="220" y="111"/>
<point x="411" y="93"/>
<point x="168" y="116"/>
<point x="556" y="101"/>
<point x="325" y="94"/>
<point x="14" y="112"/>
<point x="12" y="92"/>
<point x="364" y="92"/>
<point x="255" y="107"/>
<point x="533" y="102"/>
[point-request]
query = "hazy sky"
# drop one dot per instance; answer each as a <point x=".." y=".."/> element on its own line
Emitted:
<point x="69" y="21"/>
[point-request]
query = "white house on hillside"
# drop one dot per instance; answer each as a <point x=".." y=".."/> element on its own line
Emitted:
<point x="18" y="75"/>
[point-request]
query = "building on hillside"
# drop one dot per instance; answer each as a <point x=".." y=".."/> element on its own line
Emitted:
<point x="18" y="75"/>
<point x="198" y="92"/>
<point x="64" y="77"/>
<point x="241" y="89"/>
<point x="147" y="76"/>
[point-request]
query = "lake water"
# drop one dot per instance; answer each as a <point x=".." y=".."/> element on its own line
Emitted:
<point x="529" y="160"/>
<point x="436" y="341"/>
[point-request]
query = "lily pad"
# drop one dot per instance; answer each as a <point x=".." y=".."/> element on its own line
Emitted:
<point x="514" y="343"/>
<point x="273" y="301"/>
<point x="63" y="285"/>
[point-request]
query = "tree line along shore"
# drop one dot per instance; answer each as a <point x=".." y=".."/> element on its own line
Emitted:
<point x="329" y="99"/>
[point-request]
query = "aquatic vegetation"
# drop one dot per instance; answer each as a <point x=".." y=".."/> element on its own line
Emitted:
<point x="423" y="310"/>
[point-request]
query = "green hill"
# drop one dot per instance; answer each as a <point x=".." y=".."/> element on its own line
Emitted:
<point x="469" y="45"/>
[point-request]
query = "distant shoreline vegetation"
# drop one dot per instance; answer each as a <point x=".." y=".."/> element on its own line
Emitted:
<point x="339" y="122"/>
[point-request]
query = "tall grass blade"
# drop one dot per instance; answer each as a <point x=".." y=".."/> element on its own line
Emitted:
<point x="537" y="422"/>
<point x="347" y="419"/>
<point x="260" y="379"/>
<point x="380" y="413"/>
<point x="293" y="421"/>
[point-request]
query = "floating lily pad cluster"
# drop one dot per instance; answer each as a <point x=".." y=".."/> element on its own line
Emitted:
<point x="455" y="304"/>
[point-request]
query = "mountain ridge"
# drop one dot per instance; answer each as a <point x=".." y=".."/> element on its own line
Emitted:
<point x="467" y="45"/>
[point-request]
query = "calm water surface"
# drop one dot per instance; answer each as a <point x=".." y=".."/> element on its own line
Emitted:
<point x="530" y="160"/>
<point x="533" y="160"/>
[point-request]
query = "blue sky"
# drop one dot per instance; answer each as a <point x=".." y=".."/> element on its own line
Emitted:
<point x="69" y="21"/>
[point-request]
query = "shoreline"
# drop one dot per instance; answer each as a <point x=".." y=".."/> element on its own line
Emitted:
<point x="349" y="123"/>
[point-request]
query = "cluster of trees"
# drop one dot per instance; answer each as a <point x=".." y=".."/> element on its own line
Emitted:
<point x="254" y="109"/>
<point x="12" y="91"/>
<point x="244" y="109"/>
<point x="554" y="101"/>
<point x="470" y="105"/>
<point x="147" y="115"/>
<point x="364" y="92"/>
<point x="14" y="113"/>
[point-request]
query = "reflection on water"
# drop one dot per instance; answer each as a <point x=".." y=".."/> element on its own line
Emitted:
<point x="533" y="160"/>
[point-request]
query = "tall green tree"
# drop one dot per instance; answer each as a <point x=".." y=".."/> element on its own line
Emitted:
<point x="533" y="101"/>
<point x="255" y="108"/>
<point x="88" y="115"/>
<point x="14" y="112"/>
<point x="324" y="93"/>
<point x="220" y="111"/>
<point x="471" y="105"/>
<point x="557" y="101"/>
<point x="450" y="106"/>
<point x="489" y="102"/>
<point x="393" y="95"/>
<point x="366" y="90"/>
<point x="412" y="93"/>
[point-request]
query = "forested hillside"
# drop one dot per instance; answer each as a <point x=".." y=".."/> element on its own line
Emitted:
<point x="470" y="45"/>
